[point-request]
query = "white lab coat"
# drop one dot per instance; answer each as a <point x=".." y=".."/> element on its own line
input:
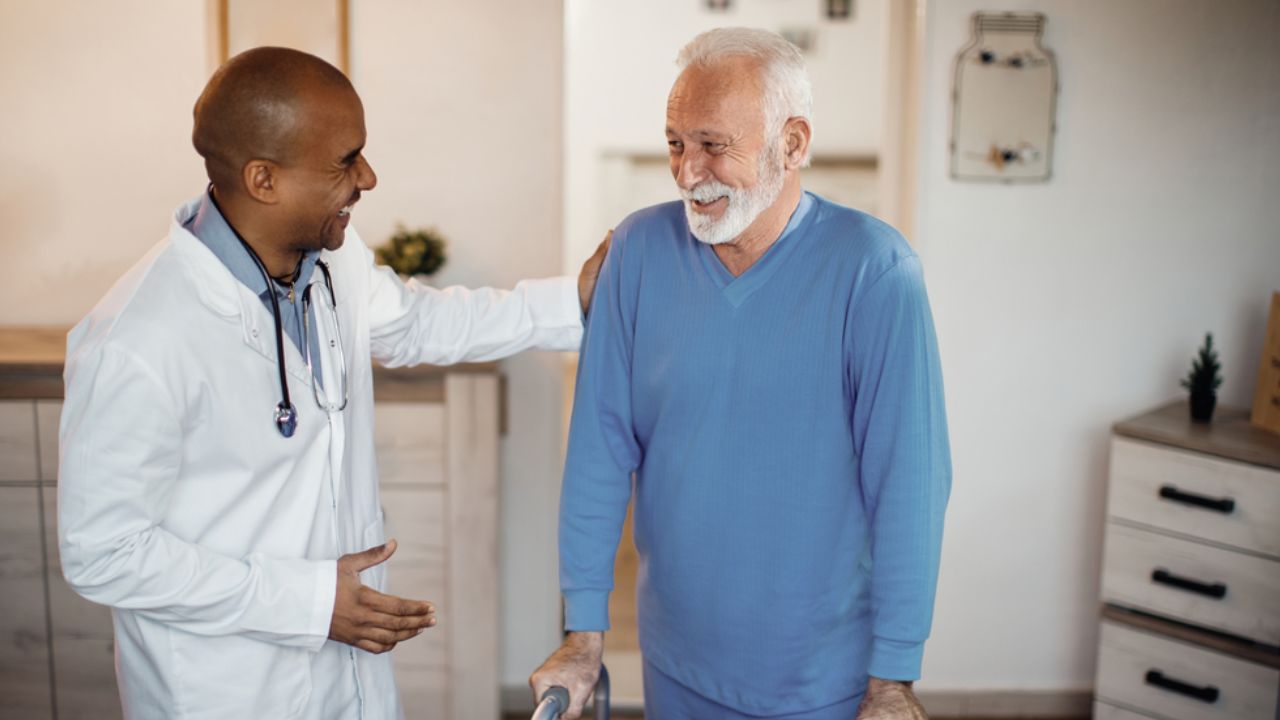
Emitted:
<point x="213" y="538"/>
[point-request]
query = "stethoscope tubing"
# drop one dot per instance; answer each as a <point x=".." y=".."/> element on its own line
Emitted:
<point x="286" y="415"/>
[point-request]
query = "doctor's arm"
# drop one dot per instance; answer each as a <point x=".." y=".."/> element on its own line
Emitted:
<point x="121" y="448"/>
<point x="603" y="453"/>
<point x="413" y="323"/>
<point x="900" y="436"/>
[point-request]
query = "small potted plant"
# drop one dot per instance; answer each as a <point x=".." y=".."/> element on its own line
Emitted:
<point x="413" y="252"/>
<point x="1203" y="381"/>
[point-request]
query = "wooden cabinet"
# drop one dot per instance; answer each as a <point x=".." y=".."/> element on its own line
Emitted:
<point x="56" y="648"/>
<point x="81" y="639"/>
<point x="437" y="445"/>
<point x="1191" y="570"/>
<point x="25" y="684"/>
<point x="1170" y="678"/>
<point x="57" y="655"/>
<point x="438" y="464"/>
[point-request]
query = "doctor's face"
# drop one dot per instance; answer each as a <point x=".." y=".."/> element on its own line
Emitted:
<point x="321" y="185"/>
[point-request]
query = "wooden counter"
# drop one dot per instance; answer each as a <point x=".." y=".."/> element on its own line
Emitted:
<point x="1229" y="435"/>
<point x="31" y="362"/>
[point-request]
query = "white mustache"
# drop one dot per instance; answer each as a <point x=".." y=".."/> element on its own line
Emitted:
<point x="707" y="191"/>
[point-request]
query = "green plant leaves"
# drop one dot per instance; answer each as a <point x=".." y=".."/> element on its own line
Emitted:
<point x="1204" y="376"/>
<point x="413" y="252"/>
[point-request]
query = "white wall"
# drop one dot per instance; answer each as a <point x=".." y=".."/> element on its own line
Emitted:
<point x="620" y="63"/>
<point x="463" y="104"/>
<point x="1066" y="306"/>
<point x="95" y="144"/>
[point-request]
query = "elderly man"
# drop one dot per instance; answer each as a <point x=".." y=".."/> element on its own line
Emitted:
<point x="764" y="362"/>
<point x="218" y="487"/>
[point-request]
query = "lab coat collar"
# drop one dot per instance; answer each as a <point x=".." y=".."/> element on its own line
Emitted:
<point x="210" y="227"/>
<point x="220" y="291"/>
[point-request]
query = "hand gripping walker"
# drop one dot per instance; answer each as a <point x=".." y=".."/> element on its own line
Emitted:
<point x="556" y="700"/>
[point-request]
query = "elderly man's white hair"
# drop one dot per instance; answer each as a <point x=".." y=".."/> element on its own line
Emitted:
<point x="787" y="90"/>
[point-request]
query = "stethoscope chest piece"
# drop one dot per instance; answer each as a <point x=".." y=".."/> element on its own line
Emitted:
<point x="286" y="419"/>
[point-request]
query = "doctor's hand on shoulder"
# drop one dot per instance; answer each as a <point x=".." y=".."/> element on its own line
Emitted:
<point x="890" y="700"/>
<point x="591" y="272"/>
<point x="368" y="619"/>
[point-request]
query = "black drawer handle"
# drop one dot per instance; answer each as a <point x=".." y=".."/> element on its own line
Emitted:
<point x="1208" y="693"/>
<point x="1213" y="590"/>
<point x="1226" y="506"/>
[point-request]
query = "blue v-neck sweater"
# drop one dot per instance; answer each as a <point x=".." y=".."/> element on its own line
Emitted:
<point x="787" y="434"/>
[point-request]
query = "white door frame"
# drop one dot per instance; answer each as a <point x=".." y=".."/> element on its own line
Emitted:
<point x="899" y="138"/>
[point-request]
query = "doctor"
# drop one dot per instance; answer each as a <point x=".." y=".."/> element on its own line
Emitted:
<point x="218" y="487"/>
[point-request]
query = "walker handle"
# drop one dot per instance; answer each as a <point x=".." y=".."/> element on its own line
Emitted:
<point x="554" y="701"/>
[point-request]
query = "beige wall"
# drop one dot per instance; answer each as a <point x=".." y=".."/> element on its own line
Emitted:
<point x="1066" y="306"/>
<point x="95" y="144"/>
<point x="463" y="104"/>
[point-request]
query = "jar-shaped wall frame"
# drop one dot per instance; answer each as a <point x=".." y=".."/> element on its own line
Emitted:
<point x="1006" y="84"/>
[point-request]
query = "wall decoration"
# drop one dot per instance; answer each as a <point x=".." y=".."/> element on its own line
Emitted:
<point x="718" y="5"/>
<point x="1266" y="399"/>
<point x="839" y="9"/>
<point x="314" y="26"/>
<point x="1006" y="86"/>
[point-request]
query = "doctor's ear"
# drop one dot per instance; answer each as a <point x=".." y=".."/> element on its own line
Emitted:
<point x="259" y="178"/>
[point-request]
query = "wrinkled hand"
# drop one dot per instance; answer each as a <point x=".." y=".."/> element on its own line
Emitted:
<point x="575" y="667"/>
<point x="368" y="619"/>
<point x="890" y="700"/>
<point x="591" y="271"/>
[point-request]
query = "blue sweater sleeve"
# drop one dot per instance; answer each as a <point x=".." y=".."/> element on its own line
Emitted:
<point x="900" y="436"/>
<point x="603" y="450"/>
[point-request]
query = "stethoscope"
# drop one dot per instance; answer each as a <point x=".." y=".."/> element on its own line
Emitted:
<point x="286" y="415"/>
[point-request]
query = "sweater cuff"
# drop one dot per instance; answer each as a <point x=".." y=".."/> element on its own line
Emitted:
<point x="895" y="659"/>
<point x="586" y="610"/>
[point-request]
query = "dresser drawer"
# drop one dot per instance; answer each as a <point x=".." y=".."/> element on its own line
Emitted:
<point x="1203" y="585"/>
<point x="1103" y="711"/>
<point x="1153" y="675"/>
<point x="1220" y="500"/>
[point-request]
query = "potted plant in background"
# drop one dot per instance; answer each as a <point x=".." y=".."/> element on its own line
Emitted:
<point x="413" y="253"/>
<point x="1203" y="381"/>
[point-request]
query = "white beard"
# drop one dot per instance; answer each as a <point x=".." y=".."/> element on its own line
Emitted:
<point x="745" y="204"/>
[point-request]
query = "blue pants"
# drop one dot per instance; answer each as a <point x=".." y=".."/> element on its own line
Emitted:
<point x="666" y="699"/>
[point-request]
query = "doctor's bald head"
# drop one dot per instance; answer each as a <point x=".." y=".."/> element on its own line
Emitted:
<point x="282" y="135"/>
<point x="261" y="104"/>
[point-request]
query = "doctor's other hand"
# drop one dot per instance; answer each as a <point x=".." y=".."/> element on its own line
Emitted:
<point x="591" y="271"/>
<point x="368" y="619"/>
<point x="890" y="700"/>
<point x="575" y="667"/>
